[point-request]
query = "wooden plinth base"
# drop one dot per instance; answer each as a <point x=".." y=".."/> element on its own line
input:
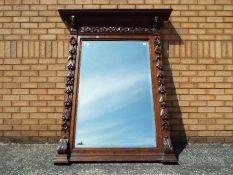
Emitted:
<point x="61" y="159"/>
<point x="163" y="158"/>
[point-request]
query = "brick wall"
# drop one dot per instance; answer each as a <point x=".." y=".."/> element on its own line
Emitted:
<point x="197" y="57"/>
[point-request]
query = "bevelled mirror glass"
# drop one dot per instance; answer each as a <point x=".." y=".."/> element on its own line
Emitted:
<point x="115" y="101"/>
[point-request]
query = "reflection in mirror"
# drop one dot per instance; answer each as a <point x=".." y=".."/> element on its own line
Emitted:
<point x="115" y="103"/>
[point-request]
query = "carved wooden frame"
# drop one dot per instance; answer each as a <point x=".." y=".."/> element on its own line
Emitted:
<point x="66" y="153"/>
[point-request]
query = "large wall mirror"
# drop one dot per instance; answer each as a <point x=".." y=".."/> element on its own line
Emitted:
<point x="115" y="100"/>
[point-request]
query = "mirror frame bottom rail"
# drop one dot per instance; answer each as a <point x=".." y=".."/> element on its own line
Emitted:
<point x="89" y="158"/>
<point x="89" y="155"/>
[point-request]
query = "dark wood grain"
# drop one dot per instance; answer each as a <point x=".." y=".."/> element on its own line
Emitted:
<point x="114" y="17"/>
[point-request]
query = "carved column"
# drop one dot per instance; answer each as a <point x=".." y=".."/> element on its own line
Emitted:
<point x="166" y="139"/>
<point x="64" y="147"/>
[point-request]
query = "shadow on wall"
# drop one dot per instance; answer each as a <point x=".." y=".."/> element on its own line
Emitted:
<point x="170" y="38"/>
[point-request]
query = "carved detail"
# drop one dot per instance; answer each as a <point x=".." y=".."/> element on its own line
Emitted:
<point x="157" y="41"/>
<point x="71" y="65"/>
<point x="66" y="116"/>
<point x="73" y="22"/>
<point x="158" y="57"/>
<point x="73" y="41"/>
<point x="67" y="102"/>
<point x="63" y="143"/>
<point x="158" y="49"/>
<point x="72" y="50"/>
<point x="167" y="144"/>
<point x="165" y="125"/>
<point x="162" y="89"/>
<point x="70" y="57"/>
<point x="69" y="89"/>
<point x="161" y="81"/>
<point x="62" y="146"/>
<point x="114" y="29"/>
<point x="70" y="75"/>
<point x="162" y="102"/>
<point x="159" y="65"/>
<point x="160" y="74"/>
<point x="164" y="114"/>
<point x="156" y="23"/>
<point x="69" y="81"/>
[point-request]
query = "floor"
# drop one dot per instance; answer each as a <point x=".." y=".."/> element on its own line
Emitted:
<point x="37" y="159"/>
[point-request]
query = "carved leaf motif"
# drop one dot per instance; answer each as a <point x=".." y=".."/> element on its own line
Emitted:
<point x="165" y="125"/>
<point x="164" y="114"/>
<point x="162" y="102"/>
<point x="159" y="66"/>
<point x="161" y="81"/>
<point x="156" y="23"/>
<point x="167" y="144"/>
<point x="66" y="116"/>
<point x="69" y="81"/>
<point x="72" y="50"/>
<point x="157" y="49"/>
<point x="62" y="146"/>
<point x="157" y="41"/>
<point x="70" y="75"/>
<point x="160" y="74"/>
<point x="73" y="41"/>
<point x="65" y="126"/>
<point x="70" y="57"/>
<point x="73" y="22"/>
<point x="162" y="89"/>
<point x="67" y="102"/>
<point x="71" y="65"/>
<point x="158" y="57"/>
<point x="69" y="89"/>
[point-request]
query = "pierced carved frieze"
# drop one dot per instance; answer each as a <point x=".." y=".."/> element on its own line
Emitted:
<point x="114" y="29"/>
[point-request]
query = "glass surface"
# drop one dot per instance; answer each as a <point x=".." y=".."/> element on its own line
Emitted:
<point x="115" y="105"/>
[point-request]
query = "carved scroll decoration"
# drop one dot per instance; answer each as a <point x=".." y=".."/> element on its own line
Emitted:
<point x="162" y="89"/>
<point x="63" y="145"/>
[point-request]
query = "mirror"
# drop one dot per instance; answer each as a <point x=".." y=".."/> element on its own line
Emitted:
<point x="115" y="102"/>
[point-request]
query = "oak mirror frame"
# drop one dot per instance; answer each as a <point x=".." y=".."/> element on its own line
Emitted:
<point x="109" y="30"/>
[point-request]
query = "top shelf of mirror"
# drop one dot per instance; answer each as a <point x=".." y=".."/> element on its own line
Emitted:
<point x="114" y="17"/>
